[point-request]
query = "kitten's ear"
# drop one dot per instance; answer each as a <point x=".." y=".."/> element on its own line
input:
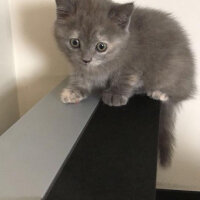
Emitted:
<point x="121" y="14"/>
<point x="65" y="8"/>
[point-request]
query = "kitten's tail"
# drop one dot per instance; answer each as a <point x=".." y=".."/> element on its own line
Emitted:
<point x="166" y="136"/>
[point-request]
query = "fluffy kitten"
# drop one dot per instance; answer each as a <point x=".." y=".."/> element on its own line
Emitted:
<point x="126" y="50"/>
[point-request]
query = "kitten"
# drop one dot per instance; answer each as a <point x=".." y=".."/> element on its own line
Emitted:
<point x="126" y="50"/>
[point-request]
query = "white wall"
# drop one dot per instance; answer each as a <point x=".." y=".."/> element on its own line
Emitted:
<point x="8" y="93"/>
<point x="40" y="66"/>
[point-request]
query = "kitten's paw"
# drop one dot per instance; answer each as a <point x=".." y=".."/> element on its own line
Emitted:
<point x="158" y="95"/>
<point x="114" y="99"/>
<point x="71" y="96"/>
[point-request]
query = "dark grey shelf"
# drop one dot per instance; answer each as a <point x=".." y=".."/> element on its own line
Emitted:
<point x="116" y="157"/>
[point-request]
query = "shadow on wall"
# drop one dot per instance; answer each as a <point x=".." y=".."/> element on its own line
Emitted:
<point x="50" y="66"/>
<point x="9" y="112"/>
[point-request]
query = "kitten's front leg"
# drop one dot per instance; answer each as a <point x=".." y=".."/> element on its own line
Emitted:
<point x="121" y="90"/>
<point x="69" y="95"/>
<point x="114" y="99"/>
<point x="77" y="90"/>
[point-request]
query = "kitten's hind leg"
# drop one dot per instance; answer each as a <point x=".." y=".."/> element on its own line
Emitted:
<point x="158" y="95"/>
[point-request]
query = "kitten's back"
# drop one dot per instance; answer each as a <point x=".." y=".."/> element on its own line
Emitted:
<point x="155" y="25"/>
<point x="164" y="51"/>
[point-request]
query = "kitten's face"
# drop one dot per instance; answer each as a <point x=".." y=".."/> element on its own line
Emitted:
<point x="89" y="37"/>
<point x="94" y="49"/>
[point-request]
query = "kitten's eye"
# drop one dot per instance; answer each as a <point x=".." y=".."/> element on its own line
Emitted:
<point x="75" y="43"/>
<point x="101" y="47"/>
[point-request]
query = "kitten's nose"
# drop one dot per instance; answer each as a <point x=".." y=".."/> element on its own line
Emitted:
<point x="88" y="60"/>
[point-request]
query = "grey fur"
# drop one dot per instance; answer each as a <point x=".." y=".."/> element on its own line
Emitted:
<point x="148" y="52"/>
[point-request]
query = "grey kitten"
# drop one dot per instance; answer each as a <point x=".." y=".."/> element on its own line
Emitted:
<point x="124" y="50"/>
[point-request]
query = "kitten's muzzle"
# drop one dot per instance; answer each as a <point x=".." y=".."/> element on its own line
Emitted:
<point x="86" y="61"/>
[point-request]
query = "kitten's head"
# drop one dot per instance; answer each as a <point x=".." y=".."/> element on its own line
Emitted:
<point x="92" y="32"/>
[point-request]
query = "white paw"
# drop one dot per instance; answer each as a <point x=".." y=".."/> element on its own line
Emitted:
<point x="158" y="95"/>
<point x="71" y="96"/>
